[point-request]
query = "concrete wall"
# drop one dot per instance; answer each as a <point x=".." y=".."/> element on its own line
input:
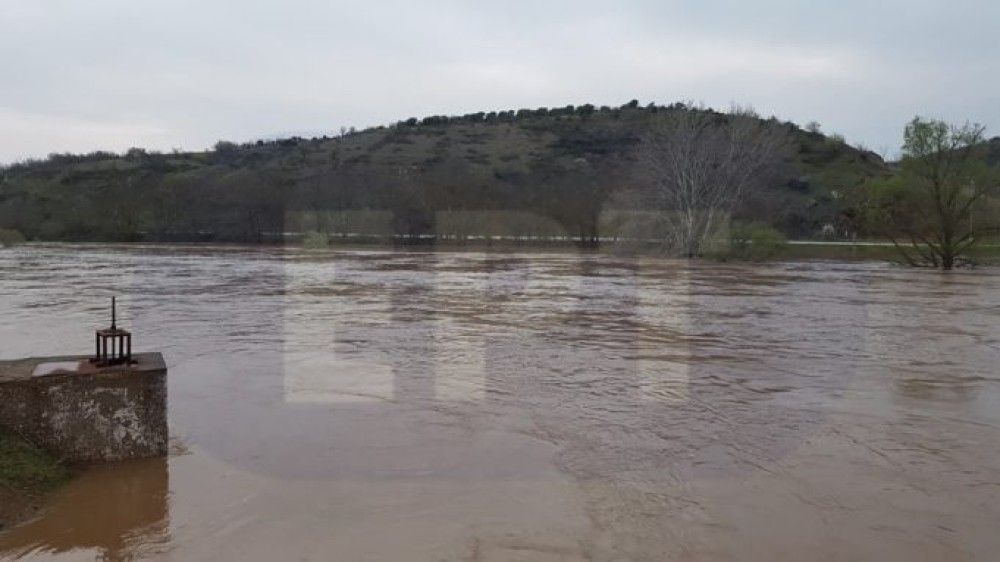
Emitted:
<point x="102" y="415"/>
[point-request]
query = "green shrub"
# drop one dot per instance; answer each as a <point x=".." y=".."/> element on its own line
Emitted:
<point x="314" y="240"/>
<point x="10" y="237"/>
<point x="755" y="242"/>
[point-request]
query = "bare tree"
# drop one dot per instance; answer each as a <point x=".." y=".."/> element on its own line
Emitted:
<point x="698" y="163"/>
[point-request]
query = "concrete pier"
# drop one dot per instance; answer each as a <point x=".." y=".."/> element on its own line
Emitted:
<point x="82" y="412"/>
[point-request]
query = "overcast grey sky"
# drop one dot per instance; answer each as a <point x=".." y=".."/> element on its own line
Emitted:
<point x="110" y="74"/>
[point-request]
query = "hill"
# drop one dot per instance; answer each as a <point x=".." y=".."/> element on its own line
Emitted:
<point x="561" y="166"/>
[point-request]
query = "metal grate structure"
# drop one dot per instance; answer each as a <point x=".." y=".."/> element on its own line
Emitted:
<point x="112" y="346"/>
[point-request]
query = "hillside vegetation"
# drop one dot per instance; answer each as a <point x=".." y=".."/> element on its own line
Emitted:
<point x="528" y="172"/>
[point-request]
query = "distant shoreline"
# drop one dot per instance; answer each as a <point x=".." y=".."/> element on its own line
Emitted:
<point x="793" y="250"/>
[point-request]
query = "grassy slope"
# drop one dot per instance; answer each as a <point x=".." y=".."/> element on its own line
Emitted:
<point x="489" y="160"/>
<point x="26" y="474"/>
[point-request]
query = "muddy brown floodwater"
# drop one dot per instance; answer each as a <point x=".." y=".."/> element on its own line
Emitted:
<point x="384" y="405"/>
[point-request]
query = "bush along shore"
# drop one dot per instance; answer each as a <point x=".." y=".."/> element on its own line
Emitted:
<point x="27" y="475"/>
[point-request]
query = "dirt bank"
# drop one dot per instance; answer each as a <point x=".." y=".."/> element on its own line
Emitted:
<point x="15" y="507"/>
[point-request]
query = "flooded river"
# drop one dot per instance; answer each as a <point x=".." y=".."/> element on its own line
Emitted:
<point x="389" y="405"/>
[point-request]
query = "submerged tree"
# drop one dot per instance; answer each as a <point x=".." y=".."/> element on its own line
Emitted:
<point x="935" y="208"/>
<point x="697" y="164"/>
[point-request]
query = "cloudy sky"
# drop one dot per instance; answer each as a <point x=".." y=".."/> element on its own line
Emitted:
<point x="111" y="74"/>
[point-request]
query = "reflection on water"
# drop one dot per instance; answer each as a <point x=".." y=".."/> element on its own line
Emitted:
<point x="466" y="406"/>
<point x="944" y="387"/>
<point x="113" y="512"/>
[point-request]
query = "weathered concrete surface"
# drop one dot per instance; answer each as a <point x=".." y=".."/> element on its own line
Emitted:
<point x="82" y="413"/>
